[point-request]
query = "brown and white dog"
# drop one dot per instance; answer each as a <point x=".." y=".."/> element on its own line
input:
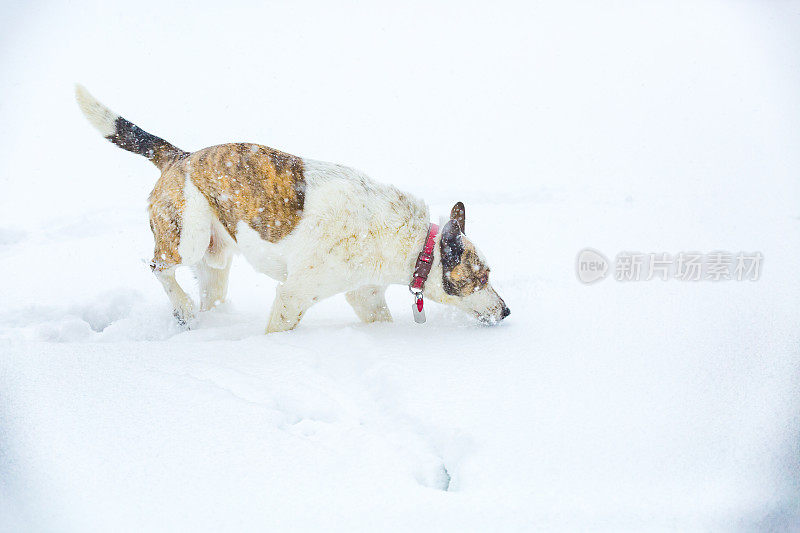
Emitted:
<point x="318" y="228"/>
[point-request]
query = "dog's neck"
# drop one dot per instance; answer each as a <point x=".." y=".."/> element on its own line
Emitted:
<point x="409" y="240"/>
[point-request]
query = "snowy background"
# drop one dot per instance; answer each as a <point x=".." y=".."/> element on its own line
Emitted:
<point x="644" y="126"/>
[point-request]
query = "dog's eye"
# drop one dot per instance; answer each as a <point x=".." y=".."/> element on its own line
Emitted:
<point x="484" y="279"/>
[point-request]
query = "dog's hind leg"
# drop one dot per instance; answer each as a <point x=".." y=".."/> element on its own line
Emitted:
<point x="165" y="260"/>
<point x="369" y="303"/>
<point x="182" y="305"/>
<point x="182" y="236"/>
<point x="213" y="283"/>
<point x="213" y="270"/>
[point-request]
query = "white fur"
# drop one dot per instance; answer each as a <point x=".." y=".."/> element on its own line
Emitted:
<point x="370" y="231"/>
<point x="264" y="256"/>
<point x="213" y="283"/>
<point x="355" y="236"/>
<point x="197" y="223"/>
<point x="369" y="303"/>
<point x="99" y="115"/>
<point x="353" y="233"/>
<point x="222" y="246"/>
<point x="181" y="303"/>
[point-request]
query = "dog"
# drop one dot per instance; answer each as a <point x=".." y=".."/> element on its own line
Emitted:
<point x="317" y="228"/>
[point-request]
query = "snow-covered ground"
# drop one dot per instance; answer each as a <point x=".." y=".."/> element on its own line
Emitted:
<point x="651" y="405"/>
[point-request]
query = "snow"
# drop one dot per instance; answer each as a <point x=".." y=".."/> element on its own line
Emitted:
<point x="658" y="127"/>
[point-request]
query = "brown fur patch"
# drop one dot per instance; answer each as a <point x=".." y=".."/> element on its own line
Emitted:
<point x="458" y="213"/>
<point x="469" y="275"/>
<point x="166" y="215"/>
<point x="263" y="187"/>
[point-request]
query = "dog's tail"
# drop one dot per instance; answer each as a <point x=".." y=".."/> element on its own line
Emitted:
<point x="125" y="134"/>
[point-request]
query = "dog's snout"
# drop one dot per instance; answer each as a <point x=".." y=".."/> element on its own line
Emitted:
<point x="505" y="312"/>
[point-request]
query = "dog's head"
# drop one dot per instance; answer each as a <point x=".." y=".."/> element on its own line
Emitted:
<point x="461" y="276"/>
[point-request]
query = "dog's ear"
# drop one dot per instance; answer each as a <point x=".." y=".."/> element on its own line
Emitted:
<point x="459" y="215"/>
<point x="451" y="245"/>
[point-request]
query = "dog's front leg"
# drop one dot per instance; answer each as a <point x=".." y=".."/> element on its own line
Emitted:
<point x="287" y="309"/>
<point x="299" y="292"/>
<point x="369" y="303"/>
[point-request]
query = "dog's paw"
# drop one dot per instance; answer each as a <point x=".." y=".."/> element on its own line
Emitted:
<point x="381" y="314"/>
<point x="279" y="323"/>
<point x="184" y="317"/>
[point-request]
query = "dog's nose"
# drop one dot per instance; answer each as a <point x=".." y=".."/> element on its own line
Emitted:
<point x="505" y="312"/>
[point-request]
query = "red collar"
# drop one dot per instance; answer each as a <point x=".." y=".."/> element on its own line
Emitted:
<point x="421" y="271"/>
<point x="424" y="261"/>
